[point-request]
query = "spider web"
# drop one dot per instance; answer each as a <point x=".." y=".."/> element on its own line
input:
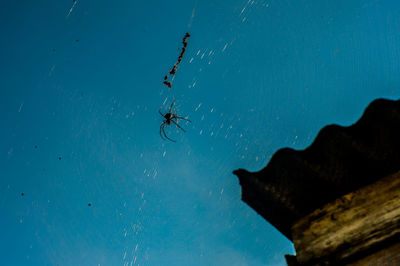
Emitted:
<point x="87" y="180"/>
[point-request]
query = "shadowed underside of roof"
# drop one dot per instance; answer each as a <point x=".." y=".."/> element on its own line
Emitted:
<point x="340" y="160"/>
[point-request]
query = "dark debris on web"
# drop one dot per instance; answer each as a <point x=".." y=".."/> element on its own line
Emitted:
<point x="175" y="67"/>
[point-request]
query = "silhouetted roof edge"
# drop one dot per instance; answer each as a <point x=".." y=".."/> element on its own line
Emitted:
<point x="340" y="160"/>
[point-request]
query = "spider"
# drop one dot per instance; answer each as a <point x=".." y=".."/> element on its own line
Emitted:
<point x="170" y="117"/>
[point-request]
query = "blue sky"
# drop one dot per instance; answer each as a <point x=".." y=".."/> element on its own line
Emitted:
<point x="79" y="120"/>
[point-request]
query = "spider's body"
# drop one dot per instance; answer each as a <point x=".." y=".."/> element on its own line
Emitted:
<point x="168" y="118"/>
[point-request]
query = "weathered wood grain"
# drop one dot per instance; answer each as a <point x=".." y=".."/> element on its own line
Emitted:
<point x="351" y="224"/>
<point x="386" y="257"/>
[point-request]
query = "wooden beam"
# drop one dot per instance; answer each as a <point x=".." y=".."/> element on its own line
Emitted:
<point x="352" y="224"/>
<point x="386" y="256"/>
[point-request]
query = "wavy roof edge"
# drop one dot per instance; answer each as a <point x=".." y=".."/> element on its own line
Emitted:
<point x="340" y="160"/>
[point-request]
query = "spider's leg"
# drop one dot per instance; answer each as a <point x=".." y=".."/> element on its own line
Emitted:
<point x="173" y="121"/>
<point x="172" y="104"/>
<point x="167" y="136"/>
<point x="162" y="129"/>
<point x="159" y="111"/>
<point x="183" y="118"/>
